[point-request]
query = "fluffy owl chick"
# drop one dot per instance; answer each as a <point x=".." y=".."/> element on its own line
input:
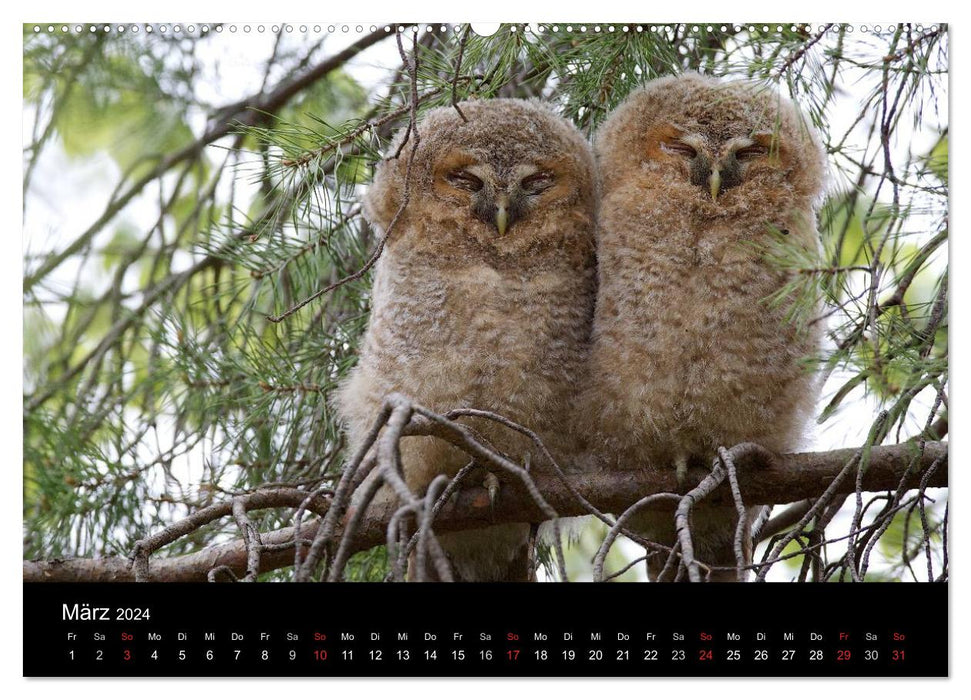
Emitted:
<point x="687" y="356"/>
<point x="483" y="297"/>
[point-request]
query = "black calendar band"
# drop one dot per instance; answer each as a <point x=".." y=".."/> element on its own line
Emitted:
<point x="428" y="630"/>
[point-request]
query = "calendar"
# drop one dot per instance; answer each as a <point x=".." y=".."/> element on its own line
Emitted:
<point x="480" y="630"/>
<point x="547" y="349"/>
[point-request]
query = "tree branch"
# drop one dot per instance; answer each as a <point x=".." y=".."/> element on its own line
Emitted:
<point x="761" y="478"/>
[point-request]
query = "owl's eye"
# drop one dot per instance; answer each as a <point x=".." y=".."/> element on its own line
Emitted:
<point x="679" y="148"/>
<point x="750" y="152"/>
<point x="537" y="182"/>
<point x="464" y="180"/>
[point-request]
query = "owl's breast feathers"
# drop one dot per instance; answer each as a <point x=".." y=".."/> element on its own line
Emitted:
<point x="688" y="351"/>
<point x="479" y="337"/>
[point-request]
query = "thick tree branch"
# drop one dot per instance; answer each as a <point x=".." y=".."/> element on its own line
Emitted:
<point x="764" y="479"/>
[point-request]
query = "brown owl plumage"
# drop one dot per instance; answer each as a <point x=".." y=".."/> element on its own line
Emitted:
<point x="698" y="176"/>
<point x="483" y="297"/>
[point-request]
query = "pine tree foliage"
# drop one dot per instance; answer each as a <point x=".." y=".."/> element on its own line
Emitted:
<point x="178" y="348"/>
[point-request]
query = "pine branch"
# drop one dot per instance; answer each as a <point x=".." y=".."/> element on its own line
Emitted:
<point x="247" y="112"/>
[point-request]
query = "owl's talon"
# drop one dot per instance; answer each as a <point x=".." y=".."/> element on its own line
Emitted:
<point x="491" y="484"/>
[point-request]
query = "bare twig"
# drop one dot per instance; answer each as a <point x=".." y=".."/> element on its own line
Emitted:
<point x="784" y="520"/>
<point x="674" y="559"/>
<point x="682" y="520"/>
<point x="616" y="529"/>
<point x="741" y="528"/>
<point x="426" y="538"/>
<point x="342" y="496"/>
<point x="830" y="491"/>
<point x="274" y="498"/>
<point x="251" y="538"/>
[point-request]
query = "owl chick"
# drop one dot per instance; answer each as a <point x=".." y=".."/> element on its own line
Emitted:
<point x="483" y="297"/>
<point x="687" y="356"/>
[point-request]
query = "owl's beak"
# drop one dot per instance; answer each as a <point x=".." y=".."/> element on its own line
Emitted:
<point x="715" y="183"/>
<point x="502" y="215"/>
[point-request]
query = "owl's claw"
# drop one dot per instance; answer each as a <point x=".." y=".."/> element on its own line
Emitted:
<point x="491" y="484"/>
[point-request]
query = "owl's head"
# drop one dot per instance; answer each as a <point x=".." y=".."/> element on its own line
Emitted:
<point x="725" y="142"/>
<point x="511" y="176"/>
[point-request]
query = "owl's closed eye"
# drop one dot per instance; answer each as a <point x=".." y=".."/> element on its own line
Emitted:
<point x="500" y="180"/>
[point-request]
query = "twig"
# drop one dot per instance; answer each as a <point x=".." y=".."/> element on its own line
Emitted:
<point x="458" y="68"/>
<point x="615" y="530"/>
<point x="589" y="507"/>
<point x="476" y="450"/>
<point x="932" y="34"/>
<point x="827" y="495"/>
<point x="742" y="526"/>
<point x="394" y="532"/>
<point x="251" y="538"/>
<point x="443" y="498"/>
<point x="143" y="548"/>
<point x="760" y="521"/>
<point x="342" y="495"/>
<point x="789" y="62"/>
<point x="784" y="520"/>
<point x="536" y="440"/>
<point x="426" y="540"/>
<point x="213" y="574"/>
<point x="630" y="565"/>
<point x="674" y="557"/>
<point x="344" y="549"/>
<point x="682" y="519"/>
<point x="406" y="196"/>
